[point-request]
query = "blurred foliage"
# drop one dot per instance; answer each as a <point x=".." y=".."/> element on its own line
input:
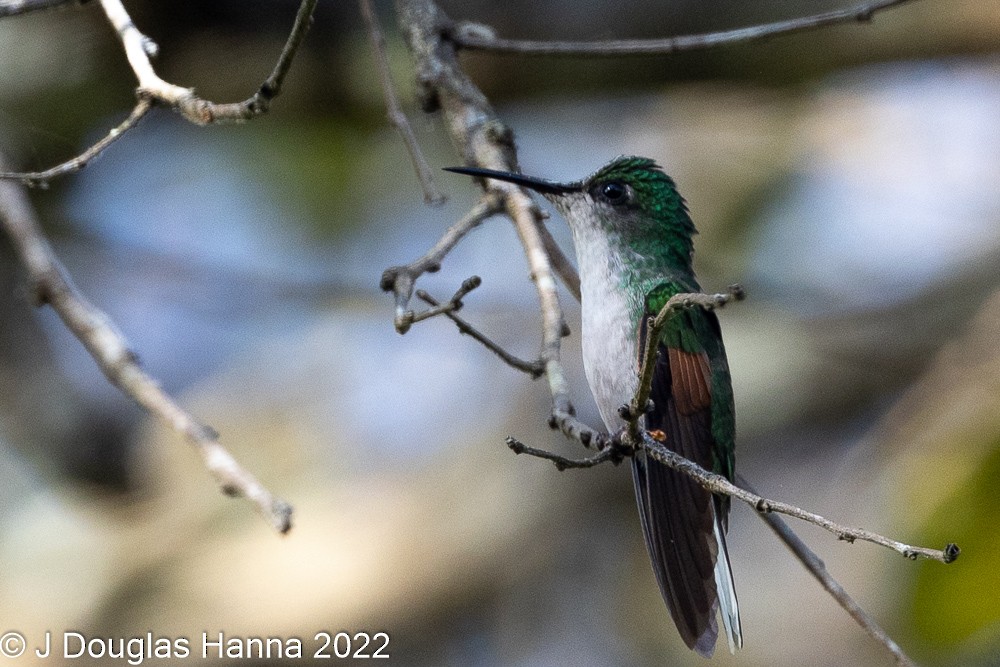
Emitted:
<point x="952" y="608"/>
<point x="316" y="168"/>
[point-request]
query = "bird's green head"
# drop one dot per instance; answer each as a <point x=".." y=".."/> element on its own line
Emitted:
<point x="629" y="198"/>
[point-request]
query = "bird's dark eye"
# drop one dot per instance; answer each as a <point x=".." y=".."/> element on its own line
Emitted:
<point x="614" y="192"/>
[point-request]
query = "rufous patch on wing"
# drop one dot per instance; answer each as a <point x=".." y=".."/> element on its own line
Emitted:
<point x="691" y="380"/>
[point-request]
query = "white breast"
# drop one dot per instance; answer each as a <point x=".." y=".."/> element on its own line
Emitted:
<point x="609" y="326"/>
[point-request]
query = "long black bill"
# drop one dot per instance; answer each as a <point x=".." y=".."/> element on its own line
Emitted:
<point x="539" y="185"/>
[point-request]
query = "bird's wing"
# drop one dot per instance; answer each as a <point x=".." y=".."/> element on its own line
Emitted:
<point x="683" y="524"/>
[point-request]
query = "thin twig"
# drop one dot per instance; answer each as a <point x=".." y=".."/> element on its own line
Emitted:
<point x="33" y="178"/>
<point x="432" y="195"/>
<point x="719" y="484"/>
<point x="139" y="49"/>
<point x="453" y="304"/>
<point x="51" y="286"/>
<point x="612" y="454"/>
<point x="16" y="7"/>
<point x="561" y="264"/>
<point x="817" y="568"/>
<point x="260" y="101"/>
<point x="475" y="36"/>
<point x="400" y="279"/>
<point x="637" y="407"/>
<point x="532" y="368"/>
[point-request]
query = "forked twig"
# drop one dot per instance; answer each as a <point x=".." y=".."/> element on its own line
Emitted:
<point x="450" y="306"/>
<point x="400" y="279"/>
<point x="533" y="368"/>
<point x="154" y="90"/>
<point x="613" y="454"/>
<point x="139" y="48"/>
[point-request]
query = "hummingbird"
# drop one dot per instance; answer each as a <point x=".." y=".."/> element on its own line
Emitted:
<point x="634" y="245"/>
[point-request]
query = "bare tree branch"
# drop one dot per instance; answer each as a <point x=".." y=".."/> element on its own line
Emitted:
<point x="15" y="7"/>
<point x="33" y="178"/>
<point x="51" y="286"/>
<point x="561" y="264"/>
<point x="612" y="453"/>
<point x="719" y="484"/>
<point x="450" y="306"/>
<point x="817" y="568"/>
<point x="432" y="195"/>
<point x="152" y="89"/>
<point x="533" y="368"/>
<point x="479" y="37"/>
<point x="485" y="141"/>
<point x="400" y="279"/>
<point x="260" y="101"/>
<point x="139" y="49"/>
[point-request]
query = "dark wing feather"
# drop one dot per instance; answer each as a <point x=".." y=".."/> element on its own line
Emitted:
<point x="677" y="514"/>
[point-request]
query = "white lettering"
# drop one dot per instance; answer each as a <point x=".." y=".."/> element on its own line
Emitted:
<point x="136" y="650"/>
<point x="181" y="648"/>
<point x="66" y="643"/>
<point x="205" y="644"/>
<point x="48" y="647"/>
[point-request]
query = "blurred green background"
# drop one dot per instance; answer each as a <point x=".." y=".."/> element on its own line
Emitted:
<point x="847" y="177"/>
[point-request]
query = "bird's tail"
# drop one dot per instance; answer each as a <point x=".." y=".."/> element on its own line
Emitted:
<point x="726" y="589"/>
<point x="685" y="535"/>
